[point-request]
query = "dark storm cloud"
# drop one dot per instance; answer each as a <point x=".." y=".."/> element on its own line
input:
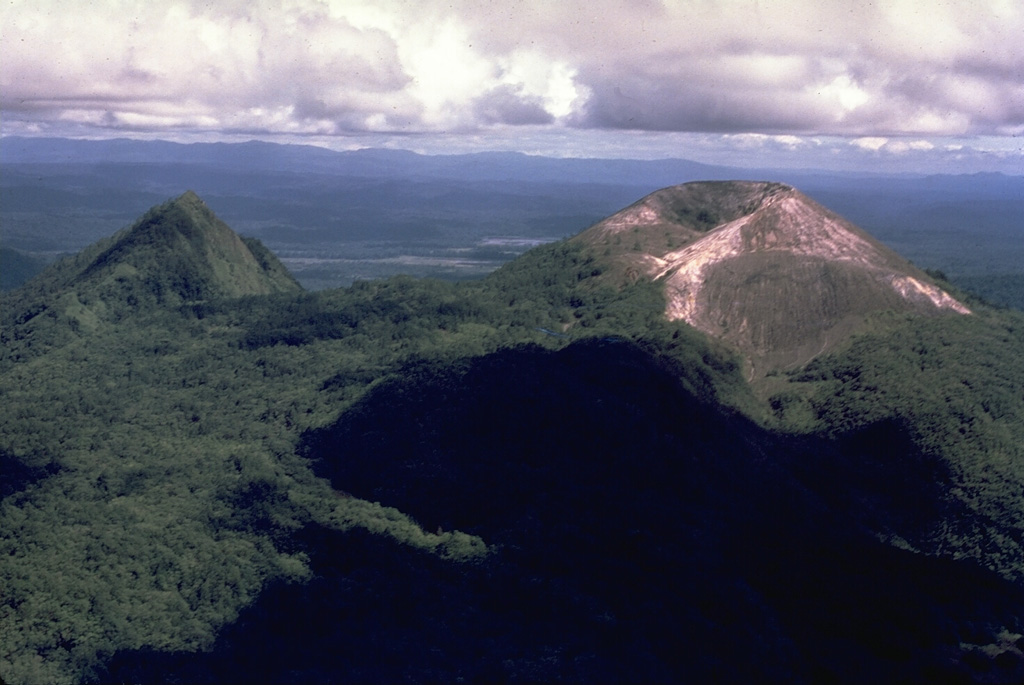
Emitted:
<point x="507" y="104"/>
<point x="693" y="106"/>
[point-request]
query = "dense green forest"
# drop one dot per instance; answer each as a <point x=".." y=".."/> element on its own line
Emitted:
<point x="168" y="437"/>
<point x="532" y="476"/>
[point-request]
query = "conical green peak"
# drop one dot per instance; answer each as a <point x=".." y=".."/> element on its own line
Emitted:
<point x="177" y="252"/>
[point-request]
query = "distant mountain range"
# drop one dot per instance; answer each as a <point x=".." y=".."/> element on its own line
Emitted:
<point x="255" y="156"/>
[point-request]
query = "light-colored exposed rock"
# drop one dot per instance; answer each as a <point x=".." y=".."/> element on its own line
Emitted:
<point x="764" y="267"/>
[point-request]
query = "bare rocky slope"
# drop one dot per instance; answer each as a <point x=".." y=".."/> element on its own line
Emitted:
<point x="762" y="266"/>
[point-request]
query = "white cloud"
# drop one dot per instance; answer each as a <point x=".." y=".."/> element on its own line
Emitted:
<point x="870" y="143"/>
<point x="842" y="90"/>
<point x="761" y="140"/>
<point x="786" y="70"/>
<point x="553" y="81"/>
<point x="903" y="146"/>
<point x="446" y="72"/>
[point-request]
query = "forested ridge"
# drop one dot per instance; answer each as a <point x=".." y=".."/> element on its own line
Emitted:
<point x="528" y="477"/>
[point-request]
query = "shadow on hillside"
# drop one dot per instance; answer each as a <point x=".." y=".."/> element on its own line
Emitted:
<point x="641" y="535"/>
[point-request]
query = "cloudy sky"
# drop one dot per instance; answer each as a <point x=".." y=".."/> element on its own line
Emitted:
<point x="889" y="84"/>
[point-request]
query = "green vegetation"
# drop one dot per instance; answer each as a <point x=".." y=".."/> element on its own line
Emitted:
<point x="170" y="435"/>
<point x="535" y="439"/>
<point x="953" y="384"/>
<point x="175" y="487"/>
<point x="17" y="267"/>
